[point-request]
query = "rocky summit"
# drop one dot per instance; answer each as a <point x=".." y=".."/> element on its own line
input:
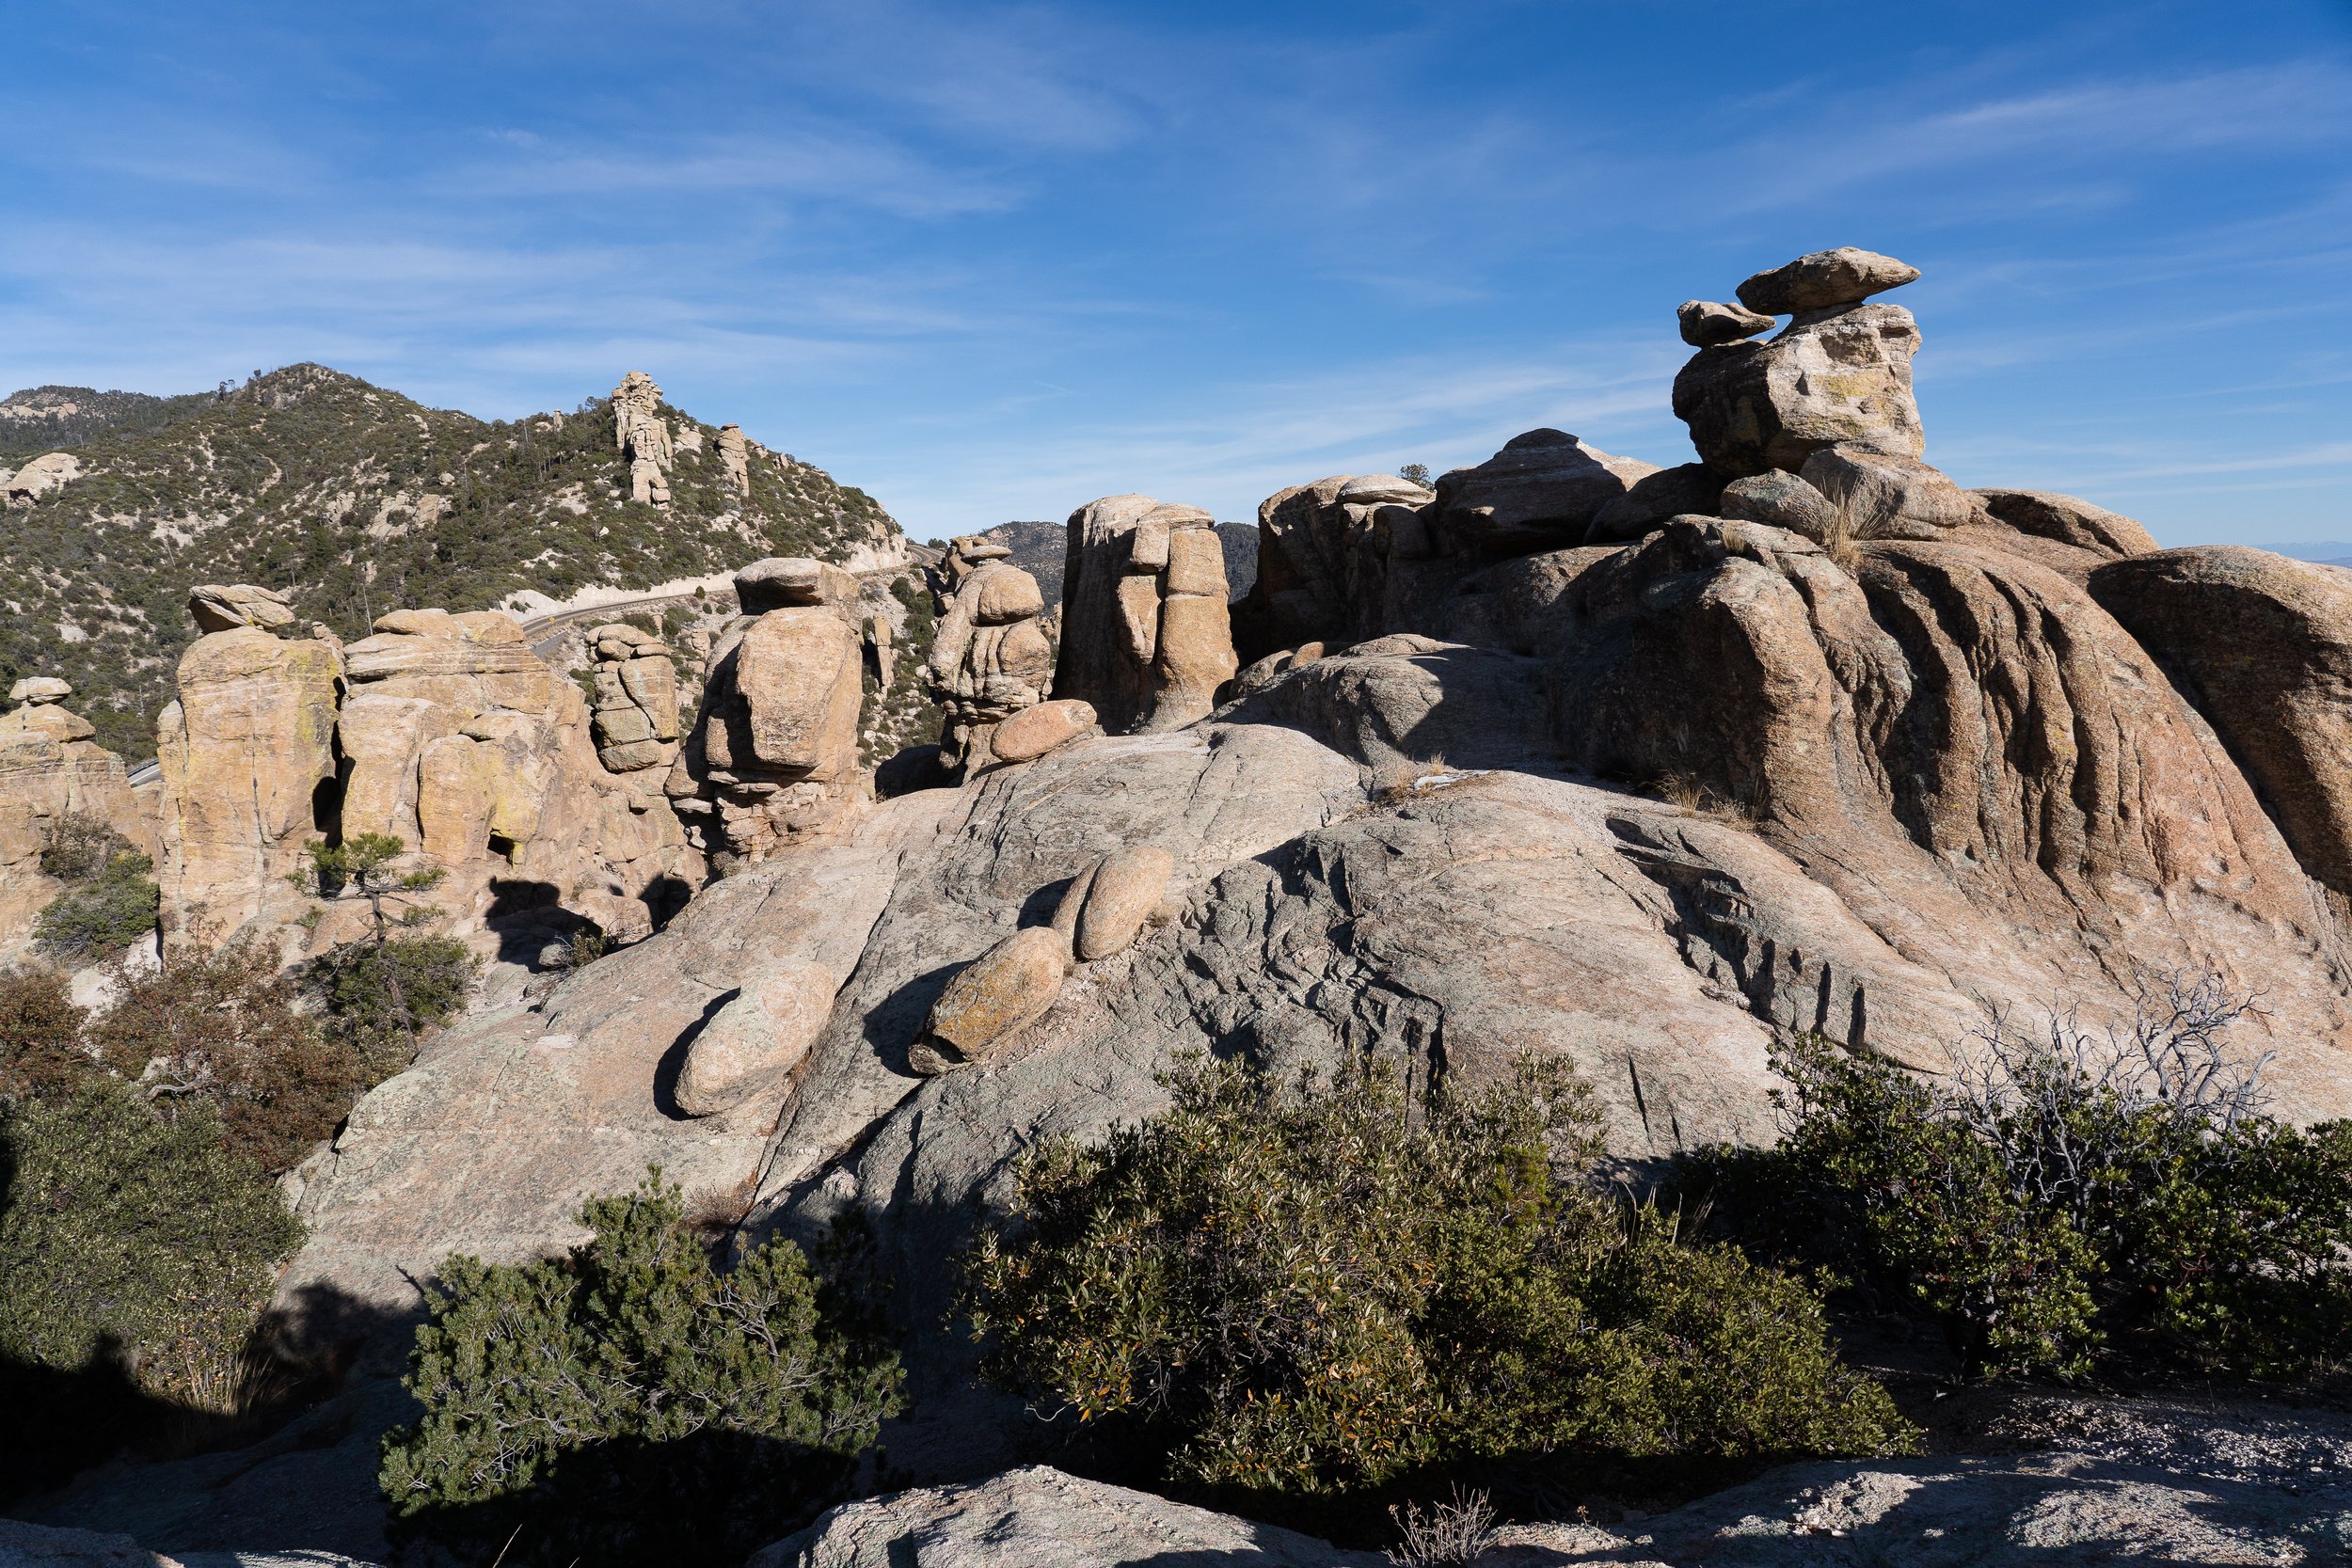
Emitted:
<point x="1643" y="769"/>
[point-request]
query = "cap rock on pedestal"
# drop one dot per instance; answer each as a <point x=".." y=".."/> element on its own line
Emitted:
<point x="1824" y="280"/>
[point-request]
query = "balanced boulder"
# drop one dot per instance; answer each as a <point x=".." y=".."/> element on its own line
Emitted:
<point x="637" y="699"/>
<point x="219" y="607"/>
<point x="1824" y="280"/>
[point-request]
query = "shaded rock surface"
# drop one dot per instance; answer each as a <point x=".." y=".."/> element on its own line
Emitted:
<point x="1706" y="323"/>
<point x="2263" y="645"/>
<point x="51" y="770"/>
<point x="1540" y="492"/>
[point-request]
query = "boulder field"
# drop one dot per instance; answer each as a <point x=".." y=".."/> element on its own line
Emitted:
<point x="1568" y="755"/>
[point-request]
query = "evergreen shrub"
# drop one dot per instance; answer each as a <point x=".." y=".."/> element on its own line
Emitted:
<point x="1316" y="1286"/>
<point x="633" y="1403"/>
<point x="2068" y="1203"/>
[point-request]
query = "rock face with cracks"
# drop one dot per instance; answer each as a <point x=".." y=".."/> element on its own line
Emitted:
<point x="2263" y="645"/>
<point x="1835" y="377"/>
<point x="1146" y="636"/>
<point x="636" y="703"/>
<point x="51" y="770"/>
<point x="462" y="742"/>
<point x="248" y="777"/>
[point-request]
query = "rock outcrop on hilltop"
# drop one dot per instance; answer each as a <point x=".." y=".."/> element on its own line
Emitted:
<point x="51" y="770"/>
<point x="642" y="439"/>
<point x="373" y="502"/>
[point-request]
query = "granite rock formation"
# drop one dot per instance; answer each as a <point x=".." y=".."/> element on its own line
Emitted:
<point x="249" y="776"/>
<point x="637" y="699"/>
<point x="1707" y="323"/>
<point x="459" y="740"/>
<point x="644" y="437"/>
<point x="1145" y="635"/>
<point x="1540" y="492"/>
<point x="42" y="476"/>
<point x="1834" y="377"/>
<point x="1824" y="280"/>
<point x="735" y="457"/>
<point x="773" y="754"/>
<point x="1037" y="1517"/>
<point x="2263" y="645"/>
<point x="1832" y="747"/>
<point x="216" y="606"/>
<point x="51" y="770"/>
<point x="990" y="659"/>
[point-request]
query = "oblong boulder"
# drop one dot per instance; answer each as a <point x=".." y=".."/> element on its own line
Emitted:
<point x="1005" y="987"/>
<point x="1033" y="732"/>
<point x="1824" y="280"/>
<point x="1127" y="886"/>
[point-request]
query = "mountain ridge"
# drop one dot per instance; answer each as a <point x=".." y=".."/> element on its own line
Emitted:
<point x="357" y="500"/>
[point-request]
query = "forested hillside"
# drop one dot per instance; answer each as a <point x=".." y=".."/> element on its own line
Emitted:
<point x="357" y="500"/>
<point x="46" y="419"/>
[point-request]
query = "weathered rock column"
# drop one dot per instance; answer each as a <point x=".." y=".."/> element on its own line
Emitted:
<point x="1147" y="637"/>
<point x="773" y="754"/>
<point x="50" y="768"/>
<point x="249" y="766"/>
<point x="642" y="439"/>
<point x="636" y="708"/>
<point x="989" y="659"/>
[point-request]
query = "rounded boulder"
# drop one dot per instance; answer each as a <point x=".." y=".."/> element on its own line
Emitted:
<point x="1126" y="888"/>
<point x="757" y="1039"/>
<point x="1035" y="731"/>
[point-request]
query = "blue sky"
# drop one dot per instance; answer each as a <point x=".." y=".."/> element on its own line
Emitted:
<point x="989" y="262"/>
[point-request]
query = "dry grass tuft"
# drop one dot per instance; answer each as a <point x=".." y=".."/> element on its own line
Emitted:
<point x="1685" y="791"/>
<point x="1398" y="780"/>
